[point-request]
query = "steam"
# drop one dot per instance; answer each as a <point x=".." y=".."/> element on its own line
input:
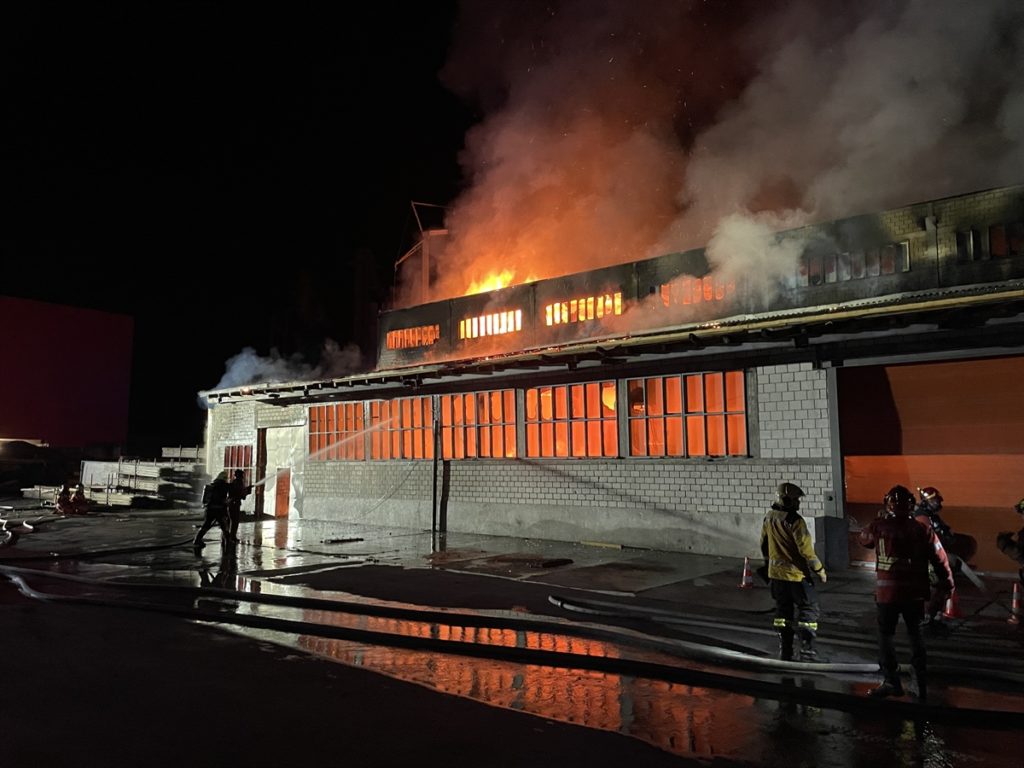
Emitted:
<point x="248" y="367"/>
<point x="617" y="131"/>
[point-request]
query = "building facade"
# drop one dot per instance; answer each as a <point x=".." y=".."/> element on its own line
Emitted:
<point x="658" y="404"/>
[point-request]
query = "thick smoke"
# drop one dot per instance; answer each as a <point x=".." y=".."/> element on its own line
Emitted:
<point x="248" y="367"/>
<point x="621" y="130"/>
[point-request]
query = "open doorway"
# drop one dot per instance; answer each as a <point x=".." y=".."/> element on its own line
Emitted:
<point x="956" y="426"/>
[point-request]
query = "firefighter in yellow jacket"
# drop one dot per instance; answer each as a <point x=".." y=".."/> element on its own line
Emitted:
<point x="789" y="555"/>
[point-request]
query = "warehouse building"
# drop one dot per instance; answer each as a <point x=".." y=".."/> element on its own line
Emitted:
<point x="657" y="404"/>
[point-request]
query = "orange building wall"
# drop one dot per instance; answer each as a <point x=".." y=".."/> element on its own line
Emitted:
<point x="956" y="426"/>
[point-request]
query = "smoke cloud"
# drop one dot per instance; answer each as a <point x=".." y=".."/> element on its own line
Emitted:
<point x="616" y="131"/>
<point x="248" y="367"/>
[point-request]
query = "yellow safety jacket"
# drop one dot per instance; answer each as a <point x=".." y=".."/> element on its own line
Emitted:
<point x="786" y="545"/>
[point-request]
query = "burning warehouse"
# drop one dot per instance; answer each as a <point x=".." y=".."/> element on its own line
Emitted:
<point x="658" y="403"/>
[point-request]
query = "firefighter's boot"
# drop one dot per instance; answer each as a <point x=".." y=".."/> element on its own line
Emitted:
<point x="785" y="644"/>
<point x="807" y="651"/>
<point x="920" y="684"/>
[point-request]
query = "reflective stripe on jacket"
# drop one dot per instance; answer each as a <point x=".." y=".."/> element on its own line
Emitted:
<point x="786" y="544"/>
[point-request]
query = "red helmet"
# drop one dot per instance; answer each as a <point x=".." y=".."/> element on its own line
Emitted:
<point x="931" y="495"/>
<point x="899" y="499"/>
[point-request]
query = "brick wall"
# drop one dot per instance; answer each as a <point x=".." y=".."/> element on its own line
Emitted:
<point x="700" y="505"/>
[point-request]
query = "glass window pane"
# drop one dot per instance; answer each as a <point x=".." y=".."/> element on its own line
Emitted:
<point x="611" y="437"/>
<point x="593" y="438"/>
<point x="561" y="403"/>
<point x="655" y="403"/>
<point x="637" y="437"/>
<point x="561" y="438"/>
<point x="532" y="440"/>
<point x="547" y="439"/>
<point x="547" y="411"/>
<point x="716" y="435"/>
<point x="510" y="406"/>
<point x="510" y="441"/>
<point x="608" y="396"/>
<point x="714" y="396"/>
<point x="635" y="394"/>
<point x="579" y="438"/>
<point x="694" y="394"/>
<point x="695" y="436"/>
<point x="674" y="437"/>
<point x="531" y="405"/>
<point x="737" y="435"/>
<point x="734" y="396"/>
<point x="656" y="432"/>
<point x="593" y="400"/>
<point x="673" y="395"/>
<point x="578" y="401"/>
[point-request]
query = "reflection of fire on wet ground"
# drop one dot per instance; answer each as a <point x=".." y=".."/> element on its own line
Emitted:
<point x="509" y="564"/>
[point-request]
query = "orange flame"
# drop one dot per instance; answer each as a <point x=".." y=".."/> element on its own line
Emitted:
<point x="495" y="280"/>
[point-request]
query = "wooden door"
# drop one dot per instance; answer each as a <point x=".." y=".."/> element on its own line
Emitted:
<point x="282" y="491"/>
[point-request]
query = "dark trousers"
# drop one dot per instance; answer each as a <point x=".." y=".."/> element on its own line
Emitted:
<point x="215" y="515"/>
<point x="889" y="614"/>
<point x="796" y="607"/>
<point x="234" y="516"/>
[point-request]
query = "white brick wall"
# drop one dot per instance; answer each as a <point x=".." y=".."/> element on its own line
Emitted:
<point x="793" y="412"/>
<point x="701" y="505"/>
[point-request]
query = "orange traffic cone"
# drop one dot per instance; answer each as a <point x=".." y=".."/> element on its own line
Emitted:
<point x="1015" y="609"/>
<point x="748" y="576"/>
<point x="952" y="610"/>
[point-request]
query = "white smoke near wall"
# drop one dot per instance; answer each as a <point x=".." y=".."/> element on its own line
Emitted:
<point x="248" y="367"/>
<point x="615" y="131"/>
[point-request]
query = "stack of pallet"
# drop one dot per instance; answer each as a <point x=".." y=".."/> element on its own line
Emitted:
<point x="177" y="478"/>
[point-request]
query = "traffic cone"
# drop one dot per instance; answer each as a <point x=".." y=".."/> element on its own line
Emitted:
<point x="1015" y="610"/>
<point x="952" y="610"/>
<point x="748" y="576"/>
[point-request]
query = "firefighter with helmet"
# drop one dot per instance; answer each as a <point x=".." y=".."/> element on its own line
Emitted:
<point x="927" y="514"/>
<point x="789" y="555"/>
<point x="903" y="550"/>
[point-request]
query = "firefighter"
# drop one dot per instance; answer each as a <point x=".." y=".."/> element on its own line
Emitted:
<point x="1014" y="547"/>
<point x="237" y="491"/>
<point x="789" y="555"/>
<point x="927" y="514"/>
<point x="903" y="550"/>
<point x="215" y="497"/>
<point x="62" y="502"/>
<point x="79" y="503"/>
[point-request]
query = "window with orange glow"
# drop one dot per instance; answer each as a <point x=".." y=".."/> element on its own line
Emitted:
<point x="336" y="432"/>
<point x="407" y="338"/>
<point x="479" y="425"/>
<point x="696" y="290"/>
<point x="574" y="420"/>
<point x="401" y="428"/>
<point x="701" y="414"/>
<point x="492" y="324"/>
<point x="580" y="310"/>
<point x="238" y="457"/>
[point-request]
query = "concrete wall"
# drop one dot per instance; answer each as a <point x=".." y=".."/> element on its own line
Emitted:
<point x="712" y="506"/>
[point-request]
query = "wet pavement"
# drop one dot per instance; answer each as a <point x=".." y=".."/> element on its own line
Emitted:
<point x="665" y="648"/>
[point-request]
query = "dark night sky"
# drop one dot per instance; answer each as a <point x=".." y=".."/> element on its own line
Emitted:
<point x="156" y="155"/>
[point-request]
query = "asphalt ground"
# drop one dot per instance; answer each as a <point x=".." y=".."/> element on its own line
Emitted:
<point x="119" y="686"/>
